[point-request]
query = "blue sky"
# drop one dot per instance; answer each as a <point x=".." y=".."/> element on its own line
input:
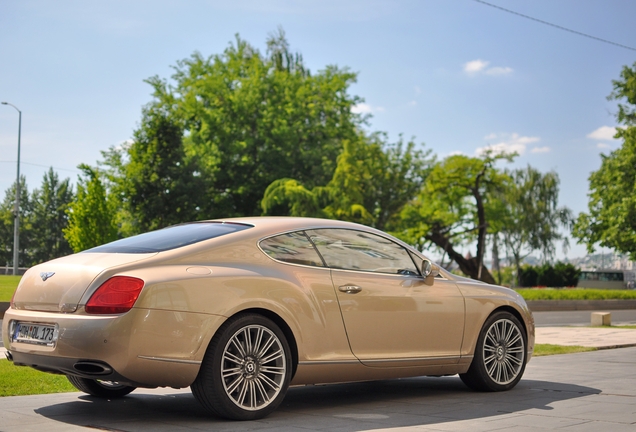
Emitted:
<point x="455" y="75"/>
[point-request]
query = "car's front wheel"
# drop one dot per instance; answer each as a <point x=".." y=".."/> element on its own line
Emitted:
<point x="99" y="388"/>
<point x="500" y="354"/>
<point x="246" y="370"/>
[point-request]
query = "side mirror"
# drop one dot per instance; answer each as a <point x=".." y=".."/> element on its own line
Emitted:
<point x="429" y="269"/>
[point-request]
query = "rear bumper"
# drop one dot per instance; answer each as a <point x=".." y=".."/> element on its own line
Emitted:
<point x="142" y="348"/>
<point x="70" y="366"/>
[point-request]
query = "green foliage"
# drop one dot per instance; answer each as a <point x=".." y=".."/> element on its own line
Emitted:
<point x="530" y="294"/>
<point x="625" y="89"/>
<point x="528" y="276"/>
<point x="611" y="221"/>
<point x="91" y="215"/>
<point x="372" y="181"/>
<point x="7" y="209"/>
<point x="50" y="216"/>
<point x="557" y="275"/>
<point x="455" y="207"/>
<point x="160" y="184"/>
<point x="224" y="129"/>
<point x="529" y="216"/>
<point x="506" y="276"/>
<point x="8" y="284"/>
<point x="22" y="380"/>
<point x="42" y="219"/>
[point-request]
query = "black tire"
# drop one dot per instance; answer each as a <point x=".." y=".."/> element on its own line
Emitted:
<point x="500" y="354"/>
<point x="246" y="370"/>
<point x="100" y="389"/>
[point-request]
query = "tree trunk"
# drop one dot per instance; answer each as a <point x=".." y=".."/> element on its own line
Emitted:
<point x="495" y="258"/>
<point x="469" y="266"/>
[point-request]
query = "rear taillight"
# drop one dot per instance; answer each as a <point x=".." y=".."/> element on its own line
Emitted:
<point x="11" y="304"/>
<point x="117" y="295"/>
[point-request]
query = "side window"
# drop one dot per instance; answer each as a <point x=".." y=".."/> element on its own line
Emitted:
<point x="358" y="250"/>
<point x="292" y="248"/>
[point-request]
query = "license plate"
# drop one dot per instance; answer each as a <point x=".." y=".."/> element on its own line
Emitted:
<point x="39" y="334"/>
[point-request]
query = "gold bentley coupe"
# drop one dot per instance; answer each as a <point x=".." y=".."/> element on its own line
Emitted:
<point x="240" y="309"/>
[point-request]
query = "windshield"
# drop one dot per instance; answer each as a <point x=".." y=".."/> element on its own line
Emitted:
<point x="170" y="238"/>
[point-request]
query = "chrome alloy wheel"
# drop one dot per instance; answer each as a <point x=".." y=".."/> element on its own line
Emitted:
<point x="113" y="385"/>
<point x="503" y="351"/>
<point x="253" y="367"/>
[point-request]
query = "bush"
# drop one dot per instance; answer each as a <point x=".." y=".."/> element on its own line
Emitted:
<point x="528" y="276"/>
<point x="557" y="275"/>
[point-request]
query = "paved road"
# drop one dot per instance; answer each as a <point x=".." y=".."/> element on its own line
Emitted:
<point x="566" y="318"/>
<point x="597" y="395"/>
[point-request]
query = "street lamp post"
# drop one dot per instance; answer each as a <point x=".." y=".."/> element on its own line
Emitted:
<point x="16" y="225"/>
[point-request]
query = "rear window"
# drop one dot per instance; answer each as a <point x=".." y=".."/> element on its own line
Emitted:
<point x="170" y="238"/>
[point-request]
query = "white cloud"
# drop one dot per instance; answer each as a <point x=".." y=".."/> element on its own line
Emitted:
<point x="475" y="66"/>
<point x="499" y="71"/>
<point x="363" y="108"/>
<point x="413" y="103"/>
<point x="481" y="66"/>
<point x="418" y="90"/>
<point x="602" y="145"/>
<point x="456" y="153"/>
<point x="508" y="143"/>
<point x="603" y="133"/>
<point x="544" y="149"/>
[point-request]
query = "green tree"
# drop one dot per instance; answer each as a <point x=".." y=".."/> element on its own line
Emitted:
<point x="91" y="217"/>
<point x="611" y="220"/>
<point x="455" y="207"/>
<point x="7" y="221"/>
<point x="234" y="122"/>
<point x="372" y="181"/>
<point x="50" y="216"/>
<point x="160" y="185"/>
<point x="529" y="215"/>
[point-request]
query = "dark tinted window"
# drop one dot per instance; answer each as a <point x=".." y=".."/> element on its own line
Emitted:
<point x="292" y="248"/>
<point x="602" y="276"/>
<point x="359" y="250"/>
<point x="170" y="238"/>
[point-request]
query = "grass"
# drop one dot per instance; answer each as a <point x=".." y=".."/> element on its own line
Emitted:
<point x="575" y="294"/>
<point x="8" y="284"/>
<point x="549" y="349"/>
<point x="22" y="380"/>
<point x="630" y="327"/>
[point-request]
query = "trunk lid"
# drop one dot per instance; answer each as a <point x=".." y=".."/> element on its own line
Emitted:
<point x="58" y="285"/>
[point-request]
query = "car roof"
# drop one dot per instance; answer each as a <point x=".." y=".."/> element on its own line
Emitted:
<point x="288" y="223"/>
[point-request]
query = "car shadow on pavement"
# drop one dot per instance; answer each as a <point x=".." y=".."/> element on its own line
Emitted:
<point x="355" y="407"/>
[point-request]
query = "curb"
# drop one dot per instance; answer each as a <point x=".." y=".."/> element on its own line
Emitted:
<point x="582" y="305"/>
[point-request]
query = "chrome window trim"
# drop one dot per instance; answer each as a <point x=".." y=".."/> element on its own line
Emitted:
<point x="326" y="267"/>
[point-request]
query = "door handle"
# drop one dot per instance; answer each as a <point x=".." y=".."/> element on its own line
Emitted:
<point x="349" y="289"/>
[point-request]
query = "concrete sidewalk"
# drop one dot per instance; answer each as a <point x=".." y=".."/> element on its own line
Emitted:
<point x="596" y="337"/>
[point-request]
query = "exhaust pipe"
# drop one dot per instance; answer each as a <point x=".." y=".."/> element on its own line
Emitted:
<point x="92" y="368"/>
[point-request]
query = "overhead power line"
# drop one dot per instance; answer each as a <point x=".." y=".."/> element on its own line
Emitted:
<point x="43" y="166"/>
<point x="556" y="26"/>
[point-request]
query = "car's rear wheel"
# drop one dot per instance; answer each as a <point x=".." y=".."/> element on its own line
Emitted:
<point x="99" y="388"/>
<point x="246" y="370"/>
<point x="500" y="354"/>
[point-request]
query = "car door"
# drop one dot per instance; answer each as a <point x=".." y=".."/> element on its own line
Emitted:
<point x="392" y="316"/>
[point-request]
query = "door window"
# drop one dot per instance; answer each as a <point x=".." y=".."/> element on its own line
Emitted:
<point x="359" y="250"/>
<point x="292" y="248"/>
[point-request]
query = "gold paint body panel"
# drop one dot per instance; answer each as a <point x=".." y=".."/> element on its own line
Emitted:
<point x="395" y="326"/>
